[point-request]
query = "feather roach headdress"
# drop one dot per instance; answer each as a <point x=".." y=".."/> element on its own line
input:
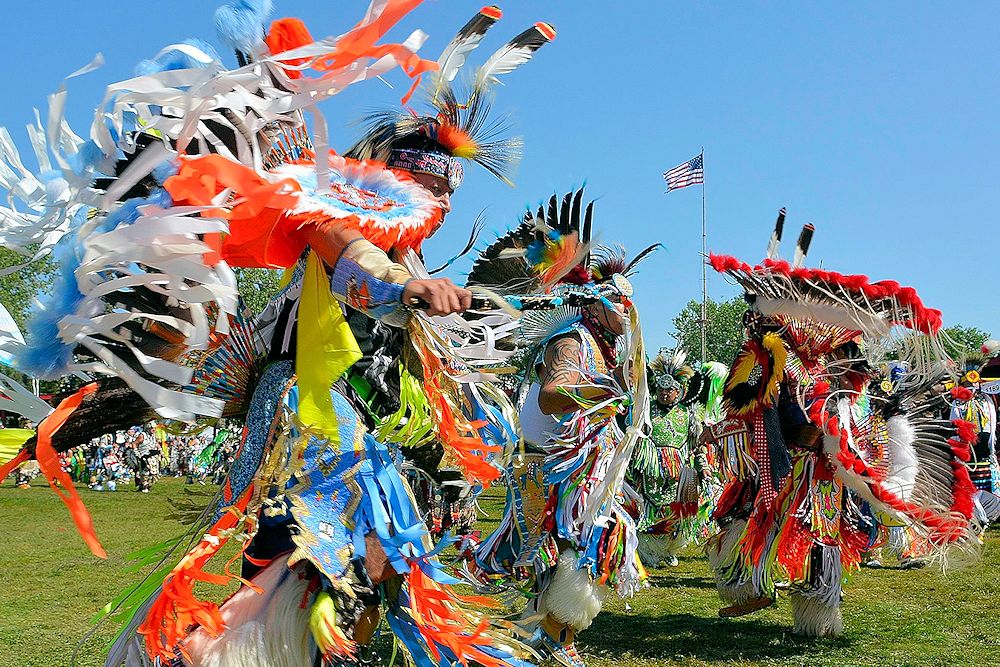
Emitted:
<point x="551" y="247"/>
<point x="668" y="370"/>
<point x="818" y="311"/>
<point x="458" y="127"/>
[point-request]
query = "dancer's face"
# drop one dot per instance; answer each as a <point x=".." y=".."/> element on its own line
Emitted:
<point x="668" y="397"/>
<point x="609" y="315"/>
<point x="439" y="190"/>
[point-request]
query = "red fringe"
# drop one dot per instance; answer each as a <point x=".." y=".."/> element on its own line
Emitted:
<point x="8" y="467"/>
<point x="177" y="609"/>
<point x="48" y="461"/>
<point x="457" y="434"/>
<point x="730" y="496"/>
<point x="794" y="540"/>
<point x="441" y="620"/>
<point x="357" y="44"/>
<point x="754" y="543"/>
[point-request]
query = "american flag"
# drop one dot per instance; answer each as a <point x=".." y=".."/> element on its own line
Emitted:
<point x="691" y="172"/>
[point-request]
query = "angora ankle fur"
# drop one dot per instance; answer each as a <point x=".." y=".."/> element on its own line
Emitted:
<point x="269" y="629"/>
<point x="655" y="549"/>
<point x="722" y="551"/>
<point x="815" y="619"/>
<point x="572" y="597"/>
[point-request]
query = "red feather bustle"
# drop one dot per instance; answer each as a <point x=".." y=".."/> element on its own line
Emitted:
<point x="944" y="528"/>
<point x="927" y="320"/>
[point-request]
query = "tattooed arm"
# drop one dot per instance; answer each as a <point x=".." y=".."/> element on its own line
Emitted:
<point x="560" y="368"/>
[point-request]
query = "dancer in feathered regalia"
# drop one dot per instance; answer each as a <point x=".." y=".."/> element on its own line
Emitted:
<point x="582" y="393"/>
<point x="987" y="386"/>
<point x="970" y="403"/>
<point x="805" y="451"/>
<point x="193" y="169"/>
<point x="672" y="475"/>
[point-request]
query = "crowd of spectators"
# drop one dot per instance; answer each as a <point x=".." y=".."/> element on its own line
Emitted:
<point x="136" y="458"/>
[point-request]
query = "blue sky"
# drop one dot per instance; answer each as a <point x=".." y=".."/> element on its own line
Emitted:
<point x="876" y="122"/>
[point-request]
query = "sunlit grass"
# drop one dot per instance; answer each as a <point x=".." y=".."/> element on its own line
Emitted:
<point x="50" y="587"/>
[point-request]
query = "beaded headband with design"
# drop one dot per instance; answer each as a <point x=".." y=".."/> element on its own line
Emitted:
<point x="434" y="164"/>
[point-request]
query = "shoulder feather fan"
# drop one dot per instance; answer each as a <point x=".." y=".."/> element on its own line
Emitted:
<point x="502" y="265"/>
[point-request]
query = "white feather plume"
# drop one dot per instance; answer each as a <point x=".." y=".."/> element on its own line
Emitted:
<point x="903" y="466"/>
<point x="508" y="58"/>
<point x="454" y="56"/>
<point x="572" y="597"/>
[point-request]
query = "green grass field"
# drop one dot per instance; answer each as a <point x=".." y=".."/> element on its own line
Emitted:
<point x="50" y="586"/>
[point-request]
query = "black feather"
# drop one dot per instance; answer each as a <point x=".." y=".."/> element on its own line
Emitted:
<point x="577" y="203"/>
<point x="477" y="228"/>
<point x="506" y="274"/>
<point x="553" y="215"/>
<point x="531" y="39"/>
<point x="564" y="211"/>
<point x="478" y="24"/>
<point x="638" y="258"/>
<point x="588" y="223"/>
<point x="805" y="238"/>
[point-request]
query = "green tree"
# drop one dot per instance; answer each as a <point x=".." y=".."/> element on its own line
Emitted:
<point x="19" y="289"/>
<point x="724" y="333"/>
<point x="961" y="341"/>
<point x="257" y="286"/>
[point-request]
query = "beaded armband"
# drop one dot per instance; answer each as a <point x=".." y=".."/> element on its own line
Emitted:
<point x="366" y="279"/>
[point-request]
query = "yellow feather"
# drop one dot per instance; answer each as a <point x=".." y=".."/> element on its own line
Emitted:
<point x="773" y="344"/>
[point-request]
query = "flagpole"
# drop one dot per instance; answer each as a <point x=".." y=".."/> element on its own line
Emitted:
<point x="704" y="265"/>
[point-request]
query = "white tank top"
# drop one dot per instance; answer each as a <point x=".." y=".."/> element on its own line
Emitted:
<point x="536" y="425"/>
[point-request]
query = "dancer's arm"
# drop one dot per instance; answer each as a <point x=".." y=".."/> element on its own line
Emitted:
<point x="560" y="368"/>
<point x="353" y="258"/>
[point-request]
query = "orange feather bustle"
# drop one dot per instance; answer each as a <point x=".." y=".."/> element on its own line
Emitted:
<point x="261" y="232"/>
<point x="259" y="235"/>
